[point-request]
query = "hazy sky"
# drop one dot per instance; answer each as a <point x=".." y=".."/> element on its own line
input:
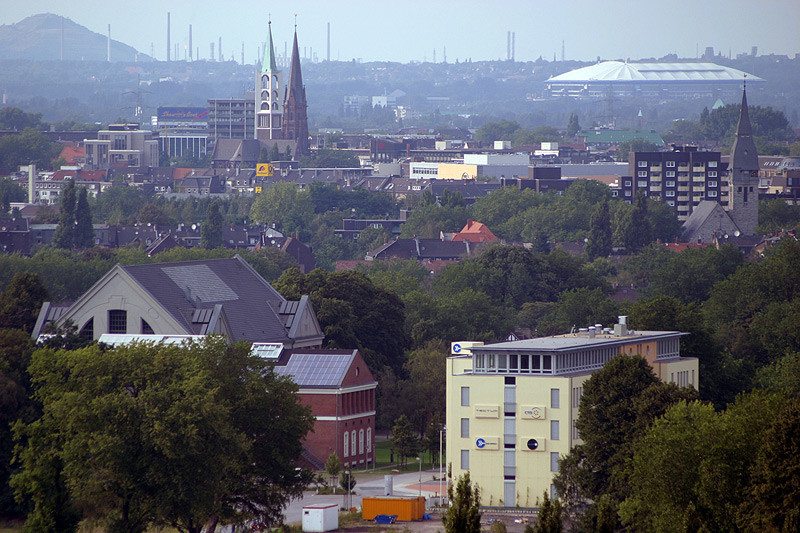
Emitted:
<point x="410" y="30"/>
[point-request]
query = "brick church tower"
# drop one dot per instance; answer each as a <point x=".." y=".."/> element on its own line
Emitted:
<point x="295" y="118"/>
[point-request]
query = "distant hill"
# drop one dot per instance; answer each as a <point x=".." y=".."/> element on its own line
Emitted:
<point x="38" y="38"/>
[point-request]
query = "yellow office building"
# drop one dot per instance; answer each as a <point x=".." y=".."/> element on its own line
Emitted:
<point x="512" y="406"/>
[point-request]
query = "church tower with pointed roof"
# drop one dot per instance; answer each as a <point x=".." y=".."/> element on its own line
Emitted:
<point x="269" y="100"/>
<point x="295" y="119"/>
<point x="743" y="174"/>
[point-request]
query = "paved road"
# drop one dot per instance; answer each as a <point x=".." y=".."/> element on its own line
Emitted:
<point x="405" y="484"/>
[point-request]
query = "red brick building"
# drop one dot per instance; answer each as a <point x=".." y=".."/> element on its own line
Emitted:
<point x="340" y="390"/>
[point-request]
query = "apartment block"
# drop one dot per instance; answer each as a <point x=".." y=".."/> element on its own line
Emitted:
<point x="512" y="406"/>
<point x="682" y="178"/>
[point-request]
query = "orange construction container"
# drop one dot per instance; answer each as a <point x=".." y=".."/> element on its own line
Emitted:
<point x="406" y="508"/>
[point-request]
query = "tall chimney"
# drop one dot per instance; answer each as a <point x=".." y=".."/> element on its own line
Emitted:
<point x="190" y="42"/>
<point x="212" y="50"/>
<point x="513" y="44"/>
<point x="242" y="53"/>
<point x="31" y="183"/>
<point x="328" y="55"/>
<point x="219" y="49"/>
<point x="169" y="45"/>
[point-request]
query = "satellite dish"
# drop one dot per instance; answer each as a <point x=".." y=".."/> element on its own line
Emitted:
<point x="737" y="233"/>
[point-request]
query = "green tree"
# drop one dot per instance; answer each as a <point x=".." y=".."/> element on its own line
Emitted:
<point x="573" y="126"/>
<point x="497" y="131"/>
<point x="775" y="214"/>
<point x="14" y="118"/>
<point x="166" y="434"/>
<point x="750" y="312"/>
<point x="692" y="468"/>
<point x="426" y="385"/>
<point x="599" y="241"/>
<point x="691" y="274"/>
<point x="21" y="302"/>
<point x="274" y="153"/>
<point x="10" y="192"/>
<point x="211" y="229"/>
<point x="30" y="146"/>
<point x="618" y="403"/>
<point x="84" y="232"/>
<point x="463" y="515"/>
<point x="263" y="156"/>
<point x="353" y="313"/>
<point x="15" y="404"/>
<point x="333" y="466"/>
<point x="285" y="205"/>
<point x="404" y="442"/>
<point x="675" y="443"/>
<point x="549" y="516"/>
<point x="347" y="482"/>
<point x="120" y="204"/>
<point x="773" y="501"/>
<point x="64" y="237"/>
<point x="579" y="308"/>
<point x="639" y="234"/>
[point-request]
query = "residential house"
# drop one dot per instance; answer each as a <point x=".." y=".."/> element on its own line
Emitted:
<point x="220" y="296"/>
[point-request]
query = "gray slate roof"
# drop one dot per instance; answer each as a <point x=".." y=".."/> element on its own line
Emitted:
<point x="193" y="291"/>
<point x="700" y="215"/>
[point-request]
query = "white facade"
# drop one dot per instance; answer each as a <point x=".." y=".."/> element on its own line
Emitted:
<point x="423" y="170"/>
<point x="497" y="159"/>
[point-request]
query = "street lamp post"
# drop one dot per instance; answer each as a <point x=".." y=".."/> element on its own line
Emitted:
<point x="349" y="496"/>
<point x="420" y="474"/>
<point x="441" y="475"/>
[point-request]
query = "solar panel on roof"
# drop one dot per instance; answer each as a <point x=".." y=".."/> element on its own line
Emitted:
<point x="267" y="350"/>
<point x="200" y="282"/>
<point x="316" y="370"/>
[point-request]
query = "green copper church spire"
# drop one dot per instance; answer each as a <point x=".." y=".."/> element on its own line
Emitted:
<point x="269" y="65"/>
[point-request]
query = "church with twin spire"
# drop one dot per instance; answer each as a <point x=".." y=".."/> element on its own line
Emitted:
<point x="281" y="111"/>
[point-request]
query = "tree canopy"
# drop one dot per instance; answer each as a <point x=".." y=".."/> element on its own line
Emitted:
<point x="163" y="434"/>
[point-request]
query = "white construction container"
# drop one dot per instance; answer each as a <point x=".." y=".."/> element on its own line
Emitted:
<point x="317" y="518"/>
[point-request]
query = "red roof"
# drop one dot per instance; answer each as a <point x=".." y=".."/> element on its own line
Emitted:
<point x="73" y="154"/>
<point x="475" y="232"/>
<point x="79" y="175"/>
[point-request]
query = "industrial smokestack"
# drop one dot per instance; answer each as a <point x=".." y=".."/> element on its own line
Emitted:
<point x="190" y="42"/>
<point x="242" y="52"/>
<point x="508" y="45"/>
<point x="212" y="50"/>
<point x="169" y="44"/>
<point x="31" y="183"/>
<point x="219" y="50"/>
<point x="513" y="45"/>
<point x="328" y="55"/>
<point x="108" y="52"/>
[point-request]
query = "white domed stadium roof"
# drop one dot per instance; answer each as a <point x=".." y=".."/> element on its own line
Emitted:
<point x="618" y="71"/>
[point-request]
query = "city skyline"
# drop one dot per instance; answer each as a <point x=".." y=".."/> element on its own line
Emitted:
<point x="423" y="31"/>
